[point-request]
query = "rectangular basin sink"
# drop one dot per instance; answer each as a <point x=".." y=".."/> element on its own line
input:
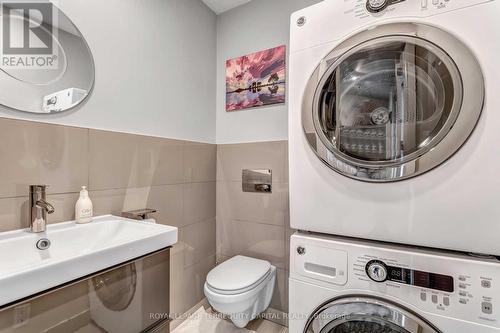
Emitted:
<point x="76" y="250"/>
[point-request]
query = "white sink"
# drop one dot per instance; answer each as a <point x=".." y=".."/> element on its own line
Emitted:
<point x="76" y="250"/>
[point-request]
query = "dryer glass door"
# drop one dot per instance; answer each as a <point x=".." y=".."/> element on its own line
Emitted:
<point x="366" y="315"/>
<point x="383" y="104"/>
<point x="389" y="100"/>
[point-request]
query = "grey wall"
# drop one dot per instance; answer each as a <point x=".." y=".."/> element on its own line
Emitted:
<point x="155" y="68"/>
<point x="255" y="26"/>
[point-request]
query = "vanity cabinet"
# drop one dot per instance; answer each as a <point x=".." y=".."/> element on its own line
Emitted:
<point x="131" y="297"/>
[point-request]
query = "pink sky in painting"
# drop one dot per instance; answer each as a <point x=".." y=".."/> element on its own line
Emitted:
<point x="266" y="67"/>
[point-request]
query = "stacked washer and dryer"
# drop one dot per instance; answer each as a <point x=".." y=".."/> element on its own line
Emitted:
<point x="394" y="156"/>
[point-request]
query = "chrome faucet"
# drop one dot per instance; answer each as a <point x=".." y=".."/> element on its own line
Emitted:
<point x="39" y="208"/>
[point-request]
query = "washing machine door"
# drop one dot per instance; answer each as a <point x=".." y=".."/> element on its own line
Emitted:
<point x="393" y="102"/>
<point x="366" y="315"/>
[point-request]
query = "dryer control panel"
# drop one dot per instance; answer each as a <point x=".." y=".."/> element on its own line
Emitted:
<point x="380" y="8"/>
<point x="445" y="283"/>
<point x="375" y="6"/>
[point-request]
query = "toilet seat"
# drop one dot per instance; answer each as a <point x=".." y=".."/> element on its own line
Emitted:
<point x="238" y="275"/>
<point x="239" y="291"/>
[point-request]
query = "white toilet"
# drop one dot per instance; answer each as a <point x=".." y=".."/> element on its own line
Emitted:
<point x="241" y="287"/>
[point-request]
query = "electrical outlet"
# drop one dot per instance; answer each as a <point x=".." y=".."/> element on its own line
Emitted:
<point x="21" y="315"/>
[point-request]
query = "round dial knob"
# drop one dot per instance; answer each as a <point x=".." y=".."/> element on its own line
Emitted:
<point x="376" y="5"/>
<point x="377" y="271"/>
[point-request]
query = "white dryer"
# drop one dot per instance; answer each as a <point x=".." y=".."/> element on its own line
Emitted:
<point x="340" y="285"/>
<point x="394" y="122"/>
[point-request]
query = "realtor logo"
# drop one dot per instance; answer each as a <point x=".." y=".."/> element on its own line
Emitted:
<point x="28" y="35"/>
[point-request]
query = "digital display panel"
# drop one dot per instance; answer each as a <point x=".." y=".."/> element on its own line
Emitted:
<point x="421" y="279"/>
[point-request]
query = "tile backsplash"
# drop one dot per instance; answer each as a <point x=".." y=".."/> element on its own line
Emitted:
<point x="123" y="172"/>
<point x="254" y="224"/>
<point x="34" y="153"/>
<point x="194" y="186"/>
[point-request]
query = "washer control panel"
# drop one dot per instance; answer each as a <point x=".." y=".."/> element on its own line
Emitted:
<point x="378" y="271"/>
<point x="364" y="9"/>
<point x="444" y="283"/>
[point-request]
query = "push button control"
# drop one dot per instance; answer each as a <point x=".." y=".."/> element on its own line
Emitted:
<point x="374" y="6"/>
<point x="486" y="284"/>
<point x="423" y="296"/>
<point x="487" y="308"/>
<point x="446" y="301"/>
<point x="434" y="299"/>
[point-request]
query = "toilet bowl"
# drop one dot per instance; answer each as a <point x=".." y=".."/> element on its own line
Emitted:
<point x="241" y="288"/>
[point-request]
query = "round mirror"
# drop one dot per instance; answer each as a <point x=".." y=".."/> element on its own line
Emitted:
<point x="46" y="64"/>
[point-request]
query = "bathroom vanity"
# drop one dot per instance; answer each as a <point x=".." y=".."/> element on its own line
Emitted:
<point x="90" y="277"/>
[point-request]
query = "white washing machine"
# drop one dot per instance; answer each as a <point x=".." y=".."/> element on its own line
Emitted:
<point x="394" y="121"/>
<point x="341" y="285"/>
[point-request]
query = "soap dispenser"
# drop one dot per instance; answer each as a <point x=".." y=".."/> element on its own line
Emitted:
<point x="83" y="207"/>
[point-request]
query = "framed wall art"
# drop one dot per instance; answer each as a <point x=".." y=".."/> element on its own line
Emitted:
<point x="257" y="79"/>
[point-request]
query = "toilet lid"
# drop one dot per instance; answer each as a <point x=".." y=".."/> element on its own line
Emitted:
<point x="238" y="273"/>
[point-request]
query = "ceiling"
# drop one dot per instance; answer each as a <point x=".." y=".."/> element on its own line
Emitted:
<point x="220" y="6"/>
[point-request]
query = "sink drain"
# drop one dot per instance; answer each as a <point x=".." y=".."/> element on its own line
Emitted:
<point x="43" y="244"/>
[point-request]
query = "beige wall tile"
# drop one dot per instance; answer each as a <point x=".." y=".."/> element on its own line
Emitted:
<point x="169" y="202"/>
<point x="200" y="162"/>
<point x="255" y="224"/>
<point x="124" y="172"/>
<point x="119" y="160"/>
<point x="197" y="241"/>
<point x="280" y="296"/>
<point x="199" y="202"/>
<point x="34" y="153"/>
<point x="14" y="212"/>
<point x="262" y="241"/>
<point x="233" y="158"/>
<point x="117" y="201"/>
<point x="234" y="204"/>
<point x="64" y="205"/>
<point x="166" y="199"/>
<point x="186" y="283"/>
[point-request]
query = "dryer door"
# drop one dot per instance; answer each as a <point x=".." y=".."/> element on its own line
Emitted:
<point x="366" y="315"/>
<point x="393" y="102"/>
